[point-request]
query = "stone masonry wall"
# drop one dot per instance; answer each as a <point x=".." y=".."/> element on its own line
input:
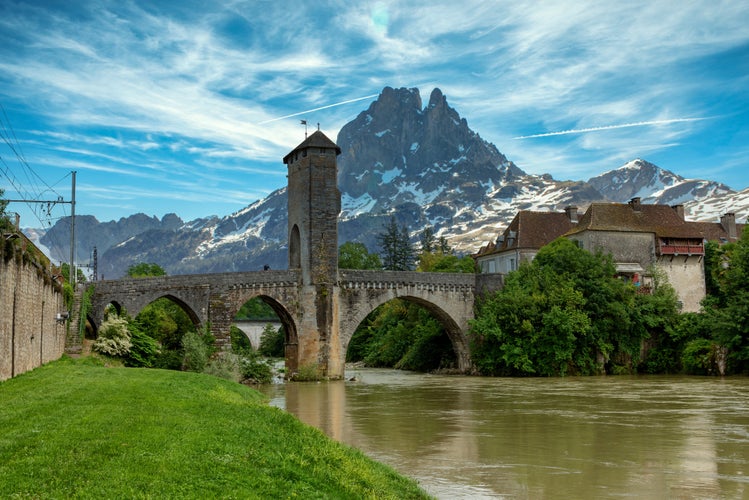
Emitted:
<point x="29" y="334"/>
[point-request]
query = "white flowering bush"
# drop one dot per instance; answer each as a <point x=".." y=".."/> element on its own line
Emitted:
<point x="114" y="338"/>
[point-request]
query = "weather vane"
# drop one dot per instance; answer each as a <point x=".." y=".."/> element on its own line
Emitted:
<point x="304" y="122"/>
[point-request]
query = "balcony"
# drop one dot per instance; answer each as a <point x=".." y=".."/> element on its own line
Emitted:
<point x="681" y="248"/>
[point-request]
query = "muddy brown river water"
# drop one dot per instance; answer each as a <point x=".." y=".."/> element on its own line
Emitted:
<point x="593" y="437"/>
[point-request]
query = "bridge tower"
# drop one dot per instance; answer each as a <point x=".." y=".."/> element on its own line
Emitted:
<point x="313" y="208"/>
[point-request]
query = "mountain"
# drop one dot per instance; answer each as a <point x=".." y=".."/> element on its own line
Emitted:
<point x="421" y="164"/>
<point x="652" y="184"/>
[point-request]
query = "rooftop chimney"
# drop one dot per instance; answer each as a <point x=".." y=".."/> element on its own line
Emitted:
<point x="728" y="221"/>
<point x="571" y="212"/>
<point x="635" y="204"/>
<point x="679" y="209"/>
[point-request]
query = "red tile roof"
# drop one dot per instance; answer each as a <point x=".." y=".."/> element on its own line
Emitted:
<point x="661" y="220"/>
<point x="531" y="230"/>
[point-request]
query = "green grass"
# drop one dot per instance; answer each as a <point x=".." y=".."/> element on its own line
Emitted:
<point x="76" y="429"/>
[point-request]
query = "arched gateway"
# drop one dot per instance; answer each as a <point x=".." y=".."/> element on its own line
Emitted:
<point x="319" y="305"/>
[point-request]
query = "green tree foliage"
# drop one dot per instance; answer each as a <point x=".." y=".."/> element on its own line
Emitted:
<point x="256" y="309"/>
<point x="5" y="223"/>
<point x="144" y="351"/>
<point x="657" y="313"/>
<point x="197" y="350"/>
<point x="395" y="247"/>
<point x="352" y="255"/>
<point x="239" y="341"/>
<point x="254" y="369"/>
<point x="562" y="313"/>
<point x="272" y="342"/>
<point x="167" y="323"/>
<point x="428" y="240"/>
<point x="438" y="262"/>
<point x="144" y="270"/>
<point x="727" y="309"/>
<point x="402" y="335"/>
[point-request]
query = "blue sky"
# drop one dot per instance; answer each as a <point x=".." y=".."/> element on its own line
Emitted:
<point x="188" y="106"/>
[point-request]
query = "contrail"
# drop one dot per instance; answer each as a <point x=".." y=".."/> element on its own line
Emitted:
<point x="318" y="109"/>
<point x="610" y="127"/>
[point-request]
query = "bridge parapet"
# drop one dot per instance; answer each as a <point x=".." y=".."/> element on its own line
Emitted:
<point x="444" y="282"/>
<point x="193" y="291"/>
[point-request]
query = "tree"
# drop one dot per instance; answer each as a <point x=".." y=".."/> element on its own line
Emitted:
<point x="256" y="309"/>
<point x="4" y="222"/>
<point x="354" y="255"/>
<point x="144" y="270"/>
<point x="436" y="262"/>
<point x="272" y="342"/>
<point x="728" y="309"/>
<point x="564" y="312"/>
<point x="395" y="247"/>
<point x="427" y="240"/>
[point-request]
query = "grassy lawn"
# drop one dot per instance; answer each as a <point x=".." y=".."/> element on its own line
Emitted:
<point x="76" y="429"/>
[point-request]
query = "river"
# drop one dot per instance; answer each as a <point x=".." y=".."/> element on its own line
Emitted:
<point x="593" y="437"/>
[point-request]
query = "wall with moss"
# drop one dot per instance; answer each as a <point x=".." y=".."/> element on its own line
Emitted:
<point x="30" y="299"/>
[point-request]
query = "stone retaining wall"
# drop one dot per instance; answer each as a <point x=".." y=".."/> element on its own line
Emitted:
<point x="29" y="302"/>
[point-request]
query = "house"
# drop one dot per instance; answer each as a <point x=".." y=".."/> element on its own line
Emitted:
<point x="642" y="238"/>
<point x="725" y="231"/>
<point x="522" y="239"/>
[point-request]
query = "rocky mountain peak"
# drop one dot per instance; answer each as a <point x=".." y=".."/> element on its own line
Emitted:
<point x="422" y="165"/>
<point x="640" y="178"/>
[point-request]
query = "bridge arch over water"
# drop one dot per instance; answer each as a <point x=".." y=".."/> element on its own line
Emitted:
<point x="319" y="305"/>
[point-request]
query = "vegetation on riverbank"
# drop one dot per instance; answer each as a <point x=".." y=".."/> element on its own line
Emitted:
<point x="76" y="429"/>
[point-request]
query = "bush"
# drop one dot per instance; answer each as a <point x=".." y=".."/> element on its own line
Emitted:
<point x="225" y="366"/>
<point x="196" y="352"/>
<point x="699" y="357"/>
<point x="144" y="350"/>
<point x="114" y="338"/>
<point x="254" y="369"/>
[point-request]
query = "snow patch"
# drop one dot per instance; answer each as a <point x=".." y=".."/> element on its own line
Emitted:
<point x="389" y="175"/>
<point x="352" y="207"/>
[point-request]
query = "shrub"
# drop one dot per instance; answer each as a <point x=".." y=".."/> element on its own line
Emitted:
<point x="698" y="357"/>
<point x="196" y="352"/>
<point x="114" y="338"/>
<point x="254" y="369"/>
<point x="144" y="350"/>
<point x="225" y="366"/>
<point x="307" y="373"/>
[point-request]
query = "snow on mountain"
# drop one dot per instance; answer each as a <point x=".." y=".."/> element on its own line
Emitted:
<point x="639" y="178"/>
<point x="710" y="209"/>
<point x="422" y="165"/>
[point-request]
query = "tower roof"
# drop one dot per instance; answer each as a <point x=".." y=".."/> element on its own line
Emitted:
<point x="316" y="140"/>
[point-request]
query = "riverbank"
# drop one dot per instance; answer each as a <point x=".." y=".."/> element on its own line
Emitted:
<point x="74" y="428"/>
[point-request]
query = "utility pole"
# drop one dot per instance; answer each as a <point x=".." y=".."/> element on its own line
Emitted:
<point x="73" y="277"/>
<point x="72" y="222"/>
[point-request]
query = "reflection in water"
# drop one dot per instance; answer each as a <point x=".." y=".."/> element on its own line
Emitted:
<point x="595" y="437"/>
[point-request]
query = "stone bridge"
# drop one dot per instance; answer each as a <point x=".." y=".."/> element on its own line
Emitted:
<point x="319" y="305"/>
<point x="213" y="300"/>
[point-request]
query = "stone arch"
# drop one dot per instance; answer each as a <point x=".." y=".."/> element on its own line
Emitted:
<point x="453" y="329"/>
<point x="295" y="248"/>
<point x="194" y="318"/>
<point x="284" y="315"/>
